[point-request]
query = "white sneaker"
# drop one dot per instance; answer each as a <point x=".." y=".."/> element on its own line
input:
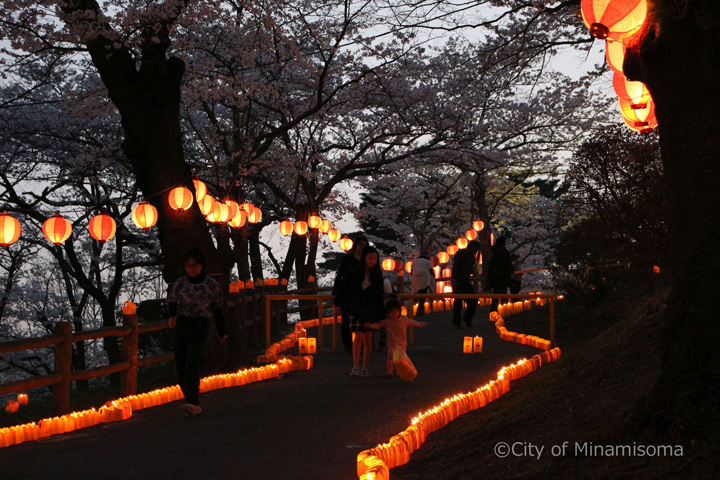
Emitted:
<point x="364" y="372"/>
<point x="190" y="410"/>
<point x="355" y="372"/>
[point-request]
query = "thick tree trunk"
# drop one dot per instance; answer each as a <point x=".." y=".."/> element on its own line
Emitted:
<point x="679" y="61"/>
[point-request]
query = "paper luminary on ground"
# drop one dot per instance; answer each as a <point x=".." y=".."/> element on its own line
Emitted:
<point x="467" y="345"/>
<point x="403" y="366"/>
<point x="311" y="345"/>
<point x="477" y="344"/>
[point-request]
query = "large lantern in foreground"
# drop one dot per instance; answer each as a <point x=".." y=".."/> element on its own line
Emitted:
<point x="286" y="227"/>
<point x="102" y="227"/>
<point x="180" y="199"/>
<point x="613" y="18"/>
<point x="345" y="243"/>
<point x="57" y="229"/>
<point x="9" y="229"/>
<point x="145" y="215"/>
<point x="634" y="92"/>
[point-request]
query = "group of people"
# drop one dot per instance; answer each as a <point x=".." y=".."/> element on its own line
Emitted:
<point x="360" y="296"/>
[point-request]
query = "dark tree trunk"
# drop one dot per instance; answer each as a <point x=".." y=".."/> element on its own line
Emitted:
<point x="678" y="59"/>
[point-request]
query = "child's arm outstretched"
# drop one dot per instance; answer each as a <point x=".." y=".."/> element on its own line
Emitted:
<point x="375" y="325"/>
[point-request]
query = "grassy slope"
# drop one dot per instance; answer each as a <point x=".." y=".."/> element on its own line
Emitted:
<point x="610" y="362"/>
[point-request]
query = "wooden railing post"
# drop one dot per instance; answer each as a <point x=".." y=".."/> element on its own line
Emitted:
<point x="130" y="353"/>
<point x="63" y="366"/>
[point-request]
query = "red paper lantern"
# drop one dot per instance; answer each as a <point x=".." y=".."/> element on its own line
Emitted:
<point x="325" y="226"/>
<point x="145" y="215"/>
<point x="634" y="92"/>
<point x="471" y="234"/>
<point x="215" y="214"/>
<point x="638" y="119"/>
<point x="224" y="214"/>
<point x="408" y="267"/>
<point x="345" y="244"/>
<point x="388" y="264"/>
<point x="334" y="235"/>
<point x="57" y="229"/>
<point x="239" y="220"/>
<point x="399" y="264"/>
<point x="301" y="227"/>
<point x="286" y="227"/>
<point x="9" y="229"/>
<point x="180" y="199"/>
<point x="461" y="242"/>
<point x="255" y="216"/>
<point x="248" y="207"/>
<point x="613" y="18"/>
<point x="102" y="227"/>
<point x="314" y="221"/>
<point x="478" y="225"/>
<point x="443" y="257"/>
<point x="233" y="207"/>
<point x="452" y="249"/>
<point x="206" y="204"/>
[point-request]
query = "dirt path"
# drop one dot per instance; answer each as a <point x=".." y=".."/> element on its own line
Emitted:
<point x="307" y="425"/>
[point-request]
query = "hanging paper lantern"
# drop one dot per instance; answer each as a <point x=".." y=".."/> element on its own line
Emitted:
<point x="255" y="216"/>
<point x="443" y="257"/>
<point x="301" y="227"/>
<point x="9" y="229"/>
<point x="345" y="243"/>
<point x="639" y="119"/>
<point x="325" y="226"/>
<point x="206" y="204"/>
<point x="102" y="227"/>
<point x="388" y="264"/>
<point x="200" y="189"/>
<point x="408" y="267"/>
<point x="239" y="220"/>
<point x="145" y="215"/>
<point x="461" y="242"/>
<point x="233" y="207"/>
<point x="613" y="18"/>
<point x="57" y="229"/>
<point x="224" y="213"/>
<point x="314" y="221"/>
<point x="248" y="207"/>
<point x="452" y="249"/>
<point x="634" y="92"/>
<point x="471" y="234"/>
<point x="180" y="199"/>
<point x="286" y="227"/>
<point x="334" y="235"/>
<point x="399" y="264"/>
<point x="478" y="225"/>
<point x="215" y="214"/>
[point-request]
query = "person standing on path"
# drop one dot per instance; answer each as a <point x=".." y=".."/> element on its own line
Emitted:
<point x="500" y="270"/>
<point x="193" y="299"/>
<point x="364" y="292"/>
<point x="423" y="280"/>
<point x="349" y="261"/>
<point x="396" y="327"/>
<point x="462" y="270"/>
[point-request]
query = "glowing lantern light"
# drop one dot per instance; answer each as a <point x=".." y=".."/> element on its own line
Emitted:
<point x="180" y="199"/>
<point x="207" y="204"/>
<point x="634" y="92"/>
<point x="471" y="234"/>
<point x="224" y="213"/>
<point x="325" y="226"/>
<point x="145" y="215"/>
<point x="443" y="257"/>
<point x="301" y="227"/>
<point x="286" y="227"/>
<point x="248" y="207"/>
<point x="239" y="220"/>
<point x="334" y="235"/>
<point x="57" y="229"/>
<point x="215" y="214"/>
<point x="408" y="267"/>
<point x="255" y="216"/>
<point x="639" y="119"/>
<point x="314" y="221"/>
<point x="613" y="18"/>
<point x="9" y="229"/>
<point x="615" y="51"/>
<point x="233" y="207"/>
<point x="102" y="227"/>
<point x="452" y="249"/>
<point x="200" y="189"/>
<point x="388" y="264"/>
<point x="345" y="244"/>
<point x="461" y="242"/>
<point x="478" y="225"/>
<point x="399" y="264"/>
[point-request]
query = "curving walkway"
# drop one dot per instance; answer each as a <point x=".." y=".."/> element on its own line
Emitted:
<point x="306" y="425"/>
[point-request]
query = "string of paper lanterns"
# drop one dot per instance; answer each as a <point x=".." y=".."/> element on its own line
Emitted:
<point x="315" y="222"/>
<point x="619" y="23"/>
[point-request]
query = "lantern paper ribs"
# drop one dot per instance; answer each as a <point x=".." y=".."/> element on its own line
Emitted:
<point x="375" y="463"/>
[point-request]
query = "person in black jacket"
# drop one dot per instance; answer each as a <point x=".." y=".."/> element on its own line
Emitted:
<point x="364" y="291"/>
<point x="462" y="270"/>
<point x="349" y="260"/>
<point x="501" y="269"/>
